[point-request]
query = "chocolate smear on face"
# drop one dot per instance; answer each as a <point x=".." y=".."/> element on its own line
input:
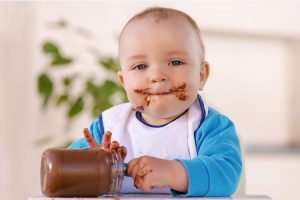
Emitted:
<point x="141" y="91"/>
<point x="181" y="96"/>
<point x="147" y="100"/>
<point x="178" y="91"/>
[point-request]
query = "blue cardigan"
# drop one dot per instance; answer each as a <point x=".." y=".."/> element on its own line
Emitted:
<point x="216" y="169"/>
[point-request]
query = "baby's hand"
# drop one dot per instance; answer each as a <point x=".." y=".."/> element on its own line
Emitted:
<point x="150" y="172"/>
<point x="106" y="143"/>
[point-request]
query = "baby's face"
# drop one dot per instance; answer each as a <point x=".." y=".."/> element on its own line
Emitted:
<point x="160" y="65"/>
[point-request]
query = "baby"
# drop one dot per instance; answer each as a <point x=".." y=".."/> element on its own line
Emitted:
<point x="174" y="141"/>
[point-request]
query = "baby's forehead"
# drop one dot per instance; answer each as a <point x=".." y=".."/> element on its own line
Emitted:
<point x="158" y="17"/>
<point x="153" y="20"/>
<point x="168" y="22"/>
<point x="138" y="27"/>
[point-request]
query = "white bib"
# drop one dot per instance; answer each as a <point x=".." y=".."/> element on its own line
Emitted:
<point x="174" y="140"/>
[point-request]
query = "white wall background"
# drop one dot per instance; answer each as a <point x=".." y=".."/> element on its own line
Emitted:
<point x="253" y="49"/>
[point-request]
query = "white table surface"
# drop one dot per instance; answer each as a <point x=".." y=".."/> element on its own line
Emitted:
<point x="154" y="197"/>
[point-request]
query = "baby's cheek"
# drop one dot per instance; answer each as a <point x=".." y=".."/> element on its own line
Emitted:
<point x="136" y="100"/>
<point x="193" y="86"/>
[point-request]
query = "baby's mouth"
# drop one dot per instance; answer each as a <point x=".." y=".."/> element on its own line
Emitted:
<point x="147" y="91"/>
<point x="179" y="92"/>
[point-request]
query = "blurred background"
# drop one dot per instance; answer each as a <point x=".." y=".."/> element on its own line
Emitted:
<point x="57" y="73"/>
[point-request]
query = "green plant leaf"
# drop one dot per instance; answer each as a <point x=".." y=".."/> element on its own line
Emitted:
<point x="58" y="60"/>
<point x="76" y="107"/>
<point x="45" y="87"/>
<point x="50" y="47"/>
<point x="90" y="86"/>
<point x="108" y="88"/>
<point x="61" y="61"/>
<point x="61" y="99"/>
<point x="99" y="107"/>
<point x="102" y="96"/>
<point x="110" y="64"/>
<point x="67" y="81"/>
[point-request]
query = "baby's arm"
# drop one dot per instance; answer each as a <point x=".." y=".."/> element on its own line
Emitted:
<point x="150" y="172"/>
<point x="215" y="171"/>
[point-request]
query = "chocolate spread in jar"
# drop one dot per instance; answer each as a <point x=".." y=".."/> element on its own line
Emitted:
<point x="79" y="172"/>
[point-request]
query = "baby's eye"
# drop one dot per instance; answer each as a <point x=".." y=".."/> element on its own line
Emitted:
<point x="140" y="67"/>
<point x="176" y="62"/>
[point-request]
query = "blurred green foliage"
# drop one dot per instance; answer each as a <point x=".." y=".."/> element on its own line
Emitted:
<point x="57" y="58"/>
<point x="94" y="96"/>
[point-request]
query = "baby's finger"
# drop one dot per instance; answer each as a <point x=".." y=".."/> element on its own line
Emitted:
<point x="114" y="145"/>
<point x="143" y="171"/>
<point x="144" y="161"/>
<point x="135" y="171"/>
<point x="137" y="182"/>
<point x="145" y="179"/>
<point x="145" y="184"/>
<point x="106" y="140"/>
<point x="123" y="152"/>
<point x="131" y="165"/>
<point x="89" y="139"/>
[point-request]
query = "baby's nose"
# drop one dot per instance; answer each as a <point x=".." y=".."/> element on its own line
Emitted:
<point x="158" y="74"/>
<point x="158" y="79"/>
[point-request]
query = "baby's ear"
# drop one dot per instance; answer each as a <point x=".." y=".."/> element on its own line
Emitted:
<point x="121" y="78"/>
<point x="204" y="74"/>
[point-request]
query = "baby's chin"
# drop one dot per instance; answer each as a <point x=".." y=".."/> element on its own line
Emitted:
<point x="160" y="114"/>
<point x="164" y="112"/>
<point x="163" y="106"/>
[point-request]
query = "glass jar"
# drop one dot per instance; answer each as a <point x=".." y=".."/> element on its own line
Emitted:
<point x="87" y="172"/>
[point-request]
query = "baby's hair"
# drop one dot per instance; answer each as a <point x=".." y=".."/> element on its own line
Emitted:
<point x="160" y="14"/>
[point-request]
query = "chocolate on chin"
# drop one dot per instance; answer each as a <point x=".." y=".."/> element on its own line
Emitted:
<point x="76" y="172"/>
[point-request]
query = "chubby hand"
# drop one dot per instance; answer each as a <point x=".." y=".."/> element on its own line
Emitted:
<point x="150" y="172"/>
<point x="106" y="143"/>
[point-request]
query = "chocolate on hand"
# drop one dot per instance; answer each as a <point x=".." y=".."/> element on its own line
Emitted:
<point x="150" y="172"/>
<point x="106" y="143"/>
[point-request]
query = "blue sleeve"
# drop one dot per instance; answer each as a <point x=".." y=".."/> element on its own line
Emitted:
<point x="217" y="168"/>
<point x="96" y="129"/>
